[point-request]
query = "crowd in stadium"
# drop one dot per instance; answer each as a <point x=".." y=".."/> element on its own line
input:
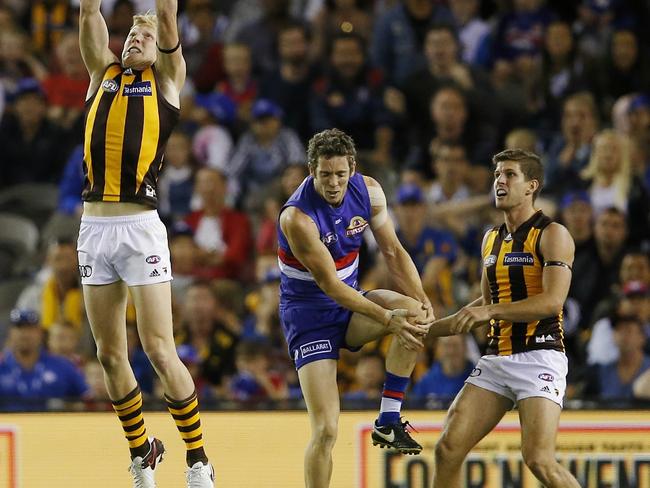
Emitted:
<point x="428" y="89"/>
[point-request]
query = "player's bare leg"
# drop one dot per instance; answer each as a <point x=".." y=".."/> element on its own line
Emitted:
<point x="539" y="419"/>
<point x="474" y="413"/>
<point x="318" y="384"/>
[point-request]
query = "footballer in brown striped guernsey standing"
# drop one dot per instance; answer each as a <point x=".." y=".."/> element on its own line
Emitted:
<point x="526" y="276"/>
<point x="131" y="108"/>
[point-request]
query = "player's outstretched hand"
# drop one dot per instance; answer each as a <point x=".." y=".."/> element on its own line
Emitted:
<point x="409" y="335"/>
<point x="468" y="318"/>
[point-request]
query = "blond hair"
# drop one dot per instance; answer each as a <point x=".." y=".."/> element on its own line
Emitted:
<point x="148" y="19"/>
<point x="622" y="180"/>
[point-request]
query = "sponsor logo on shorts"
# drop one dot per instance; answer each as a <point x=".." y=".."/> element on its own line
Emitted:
<point x="357" y="226"/>
<point x="85" y="270"/>
<point x="315" y="347"/>
<point x="489" y="260"/>
<point x="546" y="377"/>
<point x="110" y="86"/>
<point x="545" y="389"/>
<point x="518" y="259"/>
<point x="153" y="259"/>
<point x="139" y="89"/>
<point x="475" y="372"/>
<point x="154" y="274"/>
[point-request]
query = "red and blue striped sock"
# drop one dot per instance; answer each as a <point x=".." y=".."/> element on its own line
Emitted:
<point x="391" y="399"/>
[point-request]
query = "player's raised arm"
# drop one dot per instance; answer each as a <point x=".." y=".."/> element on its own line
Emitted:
<point x="399" y="262"/>
<point x="93" y="41"/>
<point x="170" y="62"/>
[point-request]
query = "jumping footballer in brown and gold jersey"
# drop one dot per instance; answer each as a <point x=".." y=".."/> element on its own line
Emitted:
<point x="132" y="106"/>
<point x="525" y="280"/>
<point x="128" y="123"/>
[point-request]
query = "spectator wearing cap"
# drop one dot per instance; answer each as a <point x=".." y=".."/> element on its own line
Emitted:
<point x="433" y="250"/>
<point x="212" y="144"/>
<point x="176" y="181"/>
<point x="349" y="96"/>
<point x="614" y="381"/>
<point x="263" y="152"/>
<point x="33" y="148"/>
<point x="223" y="235"/>
<point x="30" y="377"/>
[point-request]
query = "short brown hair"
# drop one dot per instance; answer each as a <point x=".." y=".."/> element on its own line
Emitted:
<point x="330" y="143"/>
<point x="529" y="163"/>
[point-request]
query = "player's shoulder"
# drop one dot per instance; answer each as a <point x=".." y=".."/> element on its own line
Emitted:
<point x="293" y="217"/>
<point x="370" y="181"/>
<point x="557" y="236"/>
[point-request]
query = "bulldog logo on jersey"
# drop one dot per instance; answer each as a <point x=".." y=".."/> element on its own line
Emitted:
<point x="357" y="226"/>
<point x="110" y="86"/>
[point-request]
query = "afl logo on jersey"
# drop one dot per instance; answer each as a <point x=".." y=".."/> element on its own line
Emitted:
<point x="357" y="226"/>
<point x="110" y="86"/>
<point x="153" y="259"/>
<point x="489" y="260"/>
<point x="329" y="238"/>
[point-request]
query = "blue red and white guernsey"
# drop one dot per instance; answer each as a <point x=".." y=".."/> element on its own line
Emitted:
<point x="313" y="323"/>
<point x="341" y="229"/>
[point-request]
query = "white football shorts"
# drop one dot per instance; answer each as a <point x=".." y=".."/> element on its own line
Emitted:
<point x="132" y="248"/>
<point x="522" y="375"/>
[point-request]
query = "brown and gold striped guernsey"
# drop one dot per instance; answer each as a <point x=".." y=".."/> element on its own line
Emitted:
<point x="514" y="264"/>
<point x="127" y="125"/>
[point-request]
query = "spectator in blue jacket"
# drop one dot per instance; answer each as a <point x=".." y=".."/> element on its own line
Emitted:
<point x="30" y="377"/>
<point x="448" y="372"/>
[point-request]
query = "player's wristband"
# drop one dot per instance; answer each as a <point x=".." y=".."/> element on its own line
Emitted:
<point x="557" y="263"/>
<point x="170" y="51"/>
